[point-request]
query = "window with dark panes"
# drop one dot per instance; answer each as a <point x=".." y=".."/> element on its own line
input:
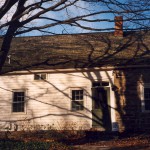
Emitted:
<point x="147" y="98"/>
<point x="77" y="99"/>
<point x="102" y="83"/>
<point x="39" y="76"/>
<point x="18" y="102"/>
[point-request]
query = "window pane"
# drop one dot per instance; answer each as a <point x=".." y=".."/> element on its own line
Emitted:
<point x="147" y="90"/>
<point x="147" y="93"/>
<point x="77" y="99"/>
<point x="147" y="98"/>
<point x="102" y="83"/>
<point x="43" y="76"/>
<point x="39" y="76"/>
<point x="73" y="95"/>
<point x="81" y="92"/>
<point x="77" y="94"/>
<point x="18" y="102"/>
<point x="15" y="97"/>
<point x="95" y="84"/>
<point x="14" y="107"/>
<point x="18" y="107"/>
<point x="77" y="105"/>
<point x="147" y="104"/>
<point x="21" y="107"/>
<point x="19" y="94"/>
<point x="36" y="77"/>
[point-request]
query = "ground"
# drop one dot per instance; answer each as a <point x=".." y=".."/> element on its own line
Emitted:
<point x="120" y="141"/>
<point x="69" y="140"/>
<point x="130" y="143"/>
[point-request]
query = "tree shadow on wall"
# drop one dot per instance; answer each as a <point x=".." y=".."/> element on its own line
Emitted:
<point x="88" y="51"/>
<point x="130" y="83"/>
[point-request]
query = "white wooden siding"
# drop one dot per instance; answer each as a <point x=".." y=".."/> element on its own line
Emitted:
<point x="48" y="102"/>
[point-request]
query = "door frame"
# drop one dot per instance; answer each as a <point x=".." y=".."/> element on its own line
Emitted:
<point x="94" y="111"/>
<point x="112" y="103"/>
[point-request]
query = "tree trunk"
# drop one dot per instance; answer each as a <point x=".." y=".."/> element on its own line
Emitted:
<point x="7" y="43"/>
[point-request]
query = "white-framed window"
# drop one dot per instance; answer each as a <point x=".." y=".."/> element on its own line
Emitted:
<point x="77" y="99"/>
<point x="40" y="76"/>
<point x="145" y="97"/>
<point x="18" y="101"/>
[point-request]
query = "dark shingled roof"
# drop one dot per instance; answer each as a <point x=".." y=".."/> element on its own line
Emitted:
<point x="79" y="51"/>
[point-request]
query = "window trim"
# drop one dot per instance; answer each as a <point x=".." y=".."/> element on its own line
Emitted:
<point x="84" y="95"/>
<point x="25" y="94"/>
<point x="142" y="86"/>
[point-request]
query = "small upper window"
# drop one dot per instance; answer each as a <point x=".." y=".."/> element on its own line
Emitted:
<point x="39" y="76"/>
<point x="77" y="100"/>
<point x="18" y="104"/>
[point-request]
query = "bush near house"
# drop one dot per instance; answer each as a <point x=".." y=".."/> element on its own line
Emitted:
<point x="37" y="140"/>
<point x="73" y="140"/>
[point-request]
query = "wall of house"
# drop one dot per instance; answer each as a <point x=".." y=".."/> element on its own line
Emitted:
<point x="130" y="115"/>
<point x="48" y="103"/>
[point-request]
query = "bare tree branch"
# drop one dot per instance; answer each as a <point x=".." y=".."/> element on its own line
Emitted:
<point x="6" y="7"/>
<point x="59" y="12"/>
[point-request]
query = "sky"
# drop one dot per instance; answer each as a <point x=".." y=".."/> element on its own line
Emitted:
<point x="80" y="8"/>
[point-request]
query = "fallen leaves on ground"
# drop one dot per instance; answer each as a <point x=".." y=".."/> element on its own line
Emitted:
<point x="138" y="142"/>
<point x="115" y="142"/>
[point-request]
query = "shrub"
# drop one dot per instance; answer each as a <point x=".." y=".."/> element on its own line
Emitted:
<point x="20" y="145"/>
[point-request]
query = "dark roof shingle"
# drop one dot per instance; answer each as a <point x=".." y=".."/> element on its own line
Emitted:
<point x="79" y="51"/>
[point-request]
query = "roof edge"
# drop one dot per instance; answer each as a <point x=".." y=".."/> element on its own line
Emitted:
<point x="75" y="70"/>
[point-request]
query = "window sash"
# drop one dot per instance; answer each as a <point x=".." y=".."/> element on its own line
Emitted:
<point x="100" y="83"/>
<point x="18" y="104"/>
<point x="147" y="105"/>
<point x="145" y="97"/>
<point x="77" y="100"/>
<point x="77" y="105"/>
<point x="40" y="76"/>
<point x="18" y="107"/>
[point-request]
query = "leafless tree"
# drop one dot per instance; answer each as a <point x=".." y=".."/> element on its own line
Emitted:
<point x="22" y="16"/>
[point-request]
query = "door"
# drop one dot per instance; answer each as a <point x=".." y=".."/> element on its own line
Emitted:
<point x="101" y="108"/>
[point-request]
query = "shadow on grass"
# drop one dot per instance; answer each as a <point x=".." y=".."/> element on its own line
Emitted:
<point x="114" y="141"/>
<point x="66" y="140"/>
<point x="91" y="137"/>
